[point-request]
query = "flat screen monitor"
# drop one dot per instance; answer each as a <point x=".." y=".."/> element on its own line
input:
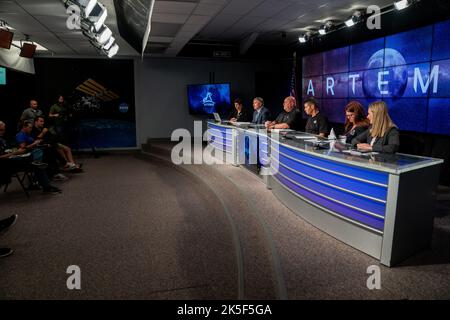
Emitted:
<point x="6" y="38"/>
<point x="207" y="99"/>
<point x="2" y="76"/>
<point x="28" y="50"/>
<point x="410" y="71"/>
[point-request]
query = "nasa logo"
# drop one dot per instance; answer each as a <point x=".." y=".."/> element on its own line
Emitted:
<point x="123" y="107"/>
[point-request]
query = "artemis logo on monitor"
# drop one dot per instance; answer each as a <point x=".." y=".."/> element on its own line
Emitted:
<point x="2" y="76"/>
<point x="209" y="98"/>
<point x="208" y="101"/>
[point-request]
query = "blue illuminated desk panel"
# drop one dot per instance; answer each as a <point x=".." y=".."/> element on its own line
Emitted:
<point x="379" y="204"/>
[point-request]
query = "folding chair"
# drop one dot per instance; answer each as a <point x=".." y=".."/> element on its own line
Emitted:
<point x="16" y="168"/>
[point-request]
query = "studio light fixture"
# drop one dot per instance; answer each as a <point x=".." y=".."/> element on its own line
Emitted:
<point x="6" y="36"/>
<point x="303" y="38"/>
<point x="96" y="19"/>
<point x="103" y="35"/>
<point x="402" y="4"/>
<point x="86" y="6"/>
<point x="113" y="50"/>
<point x="306" y="36"/>
<point x="355" y="18"/>
<point x="93" y="15"/>
<point x="27" y="48"/>
<point x="326" y="28"/>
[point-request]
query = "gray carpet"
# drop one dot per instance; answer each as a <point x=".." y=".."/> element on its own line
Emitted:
<point x="141" y="228"/>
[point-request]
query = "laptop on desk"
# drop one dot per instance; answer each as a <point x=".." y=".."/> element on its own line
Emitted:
<point x="219" y="119"/>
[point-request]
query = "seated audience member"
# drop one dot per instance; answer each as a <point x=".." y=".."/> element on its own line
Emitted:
<point x="31" y="113"/>
<point x="28" y="143"/>
<point x="289" y="118"/>
<point x="383" y="135"/>
<point x="9" y="164"/>
<point x="5" y="224"/>
<point x="41" y="133"/>
<point x="317" y="123"/>
<point x="355" y="120"/>
<point x="261" y="113"/>
<point x="239" y="114"/>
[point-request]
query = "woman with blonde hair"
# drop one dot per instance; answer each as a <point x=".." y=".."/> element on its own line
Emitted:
<point x="383" y="135"/>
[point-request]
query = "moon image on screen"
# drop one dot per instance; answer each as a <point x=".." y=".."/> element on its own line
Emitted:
<point x="396" y="77"/>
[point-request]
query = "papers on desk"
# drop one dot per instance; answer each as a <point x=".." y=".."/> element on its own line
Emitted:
<point x="303" y="136"/>
<point x="238" y="124"/>
<point x="359" y="153"/>
<point x="281" y="130"/>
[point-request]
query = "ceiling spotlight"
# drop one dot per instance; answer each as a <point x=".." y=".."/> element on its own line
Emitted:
<point x="356" y="17"/>
<point x="326" y="28"/>
<point x="96" y="19"/>
<point x="86" y="6"/>
<point x="113" y="50"/>
<point x="103" y="35"/>
<point x="303" y="38"/>
<point x="402" y="4"/>
<point x="109" y="44"/>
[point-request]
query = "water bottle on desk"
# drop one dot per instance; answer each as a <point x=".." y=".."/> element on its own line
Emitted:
<point x="332" y="135"/>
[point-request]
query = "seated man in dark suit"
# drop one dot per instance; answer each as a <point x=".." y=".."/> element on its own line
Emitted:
<point x="289" y="118"/>
<point x="261" y="113"/>
<point x="239" y="114"/>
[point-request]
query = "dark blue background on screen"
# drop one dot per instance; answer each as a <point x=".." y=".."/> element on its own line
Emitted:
<point x="408" y="70"/>
<point x="209" y="98"/>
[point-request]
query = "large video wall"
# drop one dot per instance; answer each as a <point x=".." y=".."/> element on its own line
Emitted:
<point x="409" y="70"/>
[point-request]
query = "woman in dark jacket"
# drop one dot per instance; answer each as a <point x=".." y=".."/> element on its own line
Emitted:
<point x="240" y="114"/>
<point x="356" y="121"/>
<point x="383" y="135"/>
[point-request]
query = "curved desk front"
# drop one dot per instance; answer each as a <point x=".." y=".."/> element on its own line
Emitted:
<point x="379" y="204"/>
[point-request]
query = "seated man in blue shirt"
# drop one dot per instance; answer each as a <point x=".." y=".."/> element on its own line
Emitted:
<point x="26" y="142"/>
<point x="9" y="164"/>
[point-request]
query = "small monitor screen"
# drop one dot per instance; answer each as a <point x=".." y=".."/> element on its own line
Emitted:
<point x="2" y="76"/>
<point x="208" y="99"/>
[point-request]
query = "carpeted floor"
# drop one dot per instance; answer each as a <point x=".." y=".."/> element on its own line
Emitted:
<point x="141" y="228"/>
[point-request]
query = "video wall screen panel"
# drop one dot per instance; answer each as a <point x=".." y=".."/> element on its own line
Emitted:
<point x="409" y="70"/>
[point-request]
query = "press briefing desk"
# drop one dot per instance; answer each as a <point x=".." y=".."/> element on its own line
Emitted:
<point x="379" y="204"/>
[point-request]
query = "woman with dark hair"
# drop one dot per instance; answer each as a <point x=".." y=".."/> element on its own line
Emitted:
<point x="356" y="121"/>
<point x="240" y="113"/>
